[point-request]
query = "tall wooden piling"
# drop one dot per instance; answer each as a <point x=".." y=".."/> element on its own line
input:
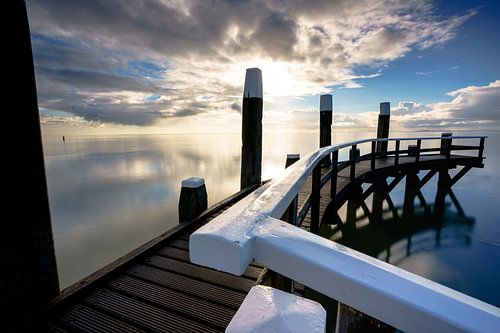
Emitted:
<point x="29" y="272"/>
<point x="193" y="198"/>
<point x="384" y="119"/>
<point x="325" y="123"/>
<point x="251" y="132"/>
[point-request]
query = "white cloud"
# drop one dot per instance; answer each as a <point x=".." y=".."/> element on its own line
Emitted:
<point x="471" y="106"/>
<point x="184" y="50"/>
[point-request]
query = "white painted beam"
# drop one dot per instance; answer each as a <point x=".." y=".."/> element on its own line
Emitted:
<point x="266" y="309"/>
<point x="400" y="298"/>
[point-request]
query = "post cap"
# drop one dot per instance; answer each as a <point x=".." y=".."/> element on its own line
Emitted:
<point x="446" y="134"/>
<point x="193" y="182"/>
<point x="266" y="309"/>
<point x="293" y="156"/>
<point x="385" y="109"/>
<point x="325" y="102"/>
<point x="253" y="83"/>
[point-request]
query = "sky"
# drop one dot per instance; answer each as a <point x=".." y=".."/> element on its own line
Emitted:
<point x="173" y="66"/>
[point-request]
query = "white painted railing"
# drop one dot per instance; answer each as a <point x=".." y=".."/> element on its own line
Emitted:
<point x="251" y="230"/>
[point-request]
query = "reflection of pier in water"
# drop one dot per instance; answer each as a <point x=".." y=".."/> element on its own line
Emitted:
<point x="399" y="232"/>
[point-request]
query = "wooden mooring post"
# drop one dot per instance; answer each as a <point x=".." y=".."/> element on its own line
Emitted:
<point x="325" y="124"/>
<point x="251" y="132"/>
<point x="193" y="198"/>
<point x="384" y="119"/>
<point x="290" y="214"/>
<point x="29" y="272"/>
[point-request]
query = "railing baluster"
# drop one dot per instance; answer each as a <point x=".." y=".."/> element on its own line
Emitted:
<point x="481" y="149"/>
<point x="372" y="165"/>
<point x="417" y="153"/>
<point x="333" y="179"/>
<point x="396" y="156"/>
<point x="315" y="198"/>
<point x="352" y="159"/>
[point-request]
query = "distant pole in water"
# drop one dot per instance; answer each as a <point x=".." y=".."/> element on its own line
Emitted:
<point x="251" y="132"/>
<point x="193" y="198"/>
<point x="383" y="126"/>
<point x="29" y="272"/>
<point x="325" y="123"/>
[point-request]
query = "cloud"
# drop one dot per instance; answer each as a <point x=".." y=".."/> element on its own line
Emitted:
<point x="103" y="60"/>
<point x="470" y="106"/>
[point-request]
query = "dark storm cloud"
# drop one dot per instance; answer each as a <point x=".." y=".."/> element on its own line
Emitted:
<point x="276" y="35"/>
<point x="98" y="82"/>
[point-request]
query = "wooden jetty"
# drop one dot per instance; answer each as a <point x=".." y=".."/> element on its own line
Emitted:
<point x="157" y="289"/>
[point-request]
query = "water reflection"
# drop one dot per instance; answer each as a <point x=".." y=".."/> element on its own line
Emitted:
<point x="109" y="195"/>
<point x="432" y="240"/>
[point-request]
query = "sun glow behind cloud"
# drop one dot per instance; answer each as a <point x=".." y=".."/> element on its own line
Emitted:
<point x="176" y="65"/>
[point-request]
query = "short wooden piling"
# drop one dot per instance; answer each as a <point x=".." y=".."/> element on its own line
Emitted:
<point x="251" y="133"/>
<point x="384" y="119"/>
<point x="290" y="214"/>
<point x="325" y="124"/>
<point x="193" y="198"/>
<point x="291" y="159"/>
<point x="27" y="259"/>
<point x="445" y="144"/>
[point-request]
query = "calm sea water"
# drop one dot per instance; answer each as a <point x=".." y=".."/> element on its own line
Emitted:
<point x="108" y="195"/>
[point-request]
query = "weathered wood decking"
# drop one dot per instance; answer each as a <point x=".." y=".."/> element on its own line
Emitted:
<point x="157" y="289"/>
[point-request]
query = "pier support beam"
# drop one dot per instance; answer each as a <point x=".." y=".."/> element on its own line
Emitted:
<point x="443" y="186"/>
<point x="251" y="132"/>
<point x="325" y="124"/>
<point x="193" y="199"/>
<point x="412" y="188"/>
<point x="379" y="194"/>
<point x="383" y="126"/>
<point x="29" y="272"/>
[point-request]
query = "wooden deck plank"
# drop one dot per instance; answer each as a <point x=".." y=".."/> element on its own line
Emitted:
<point x="174" y="301"/>
<point x="84" y="319"/>
<point x="201" y="273"/>
<point x="251" y="272"/>
<point x="205" y="290"/>
<point x="143" y="314"/>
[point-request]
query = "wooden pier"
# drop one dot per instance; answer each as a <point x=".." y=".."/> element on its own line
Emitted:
<point x="157" y="289"/>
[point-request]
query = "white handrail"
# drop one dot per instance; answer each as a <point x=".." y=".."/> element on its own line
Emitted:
<point x="250" y="230"/>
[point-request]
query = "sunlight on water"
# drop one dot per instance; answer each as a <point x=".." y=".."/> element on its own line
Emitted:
<point x="110" y="194"/>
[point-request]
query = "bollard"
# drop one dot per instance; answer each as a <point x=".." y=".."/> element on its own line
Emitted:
<point x="383" y="127"/>
<point x="291" y="158"/>
<point x="325" y="124"/>
<point x="412" y="150"/>
<point x="193" y="199"/>
<point x="445" y="144"/>
<point x="251" y="132"/>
